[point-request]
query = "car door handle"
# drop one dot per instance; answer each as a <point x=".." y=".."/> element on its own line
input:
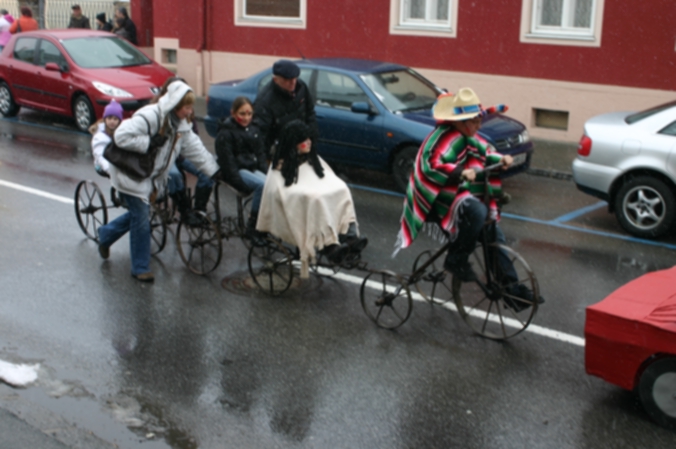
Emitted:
<point x="320" y="116"/>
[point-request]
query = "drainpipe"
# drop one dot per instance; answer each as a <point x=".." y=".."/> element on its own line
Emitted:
<point x="201" y="72"/>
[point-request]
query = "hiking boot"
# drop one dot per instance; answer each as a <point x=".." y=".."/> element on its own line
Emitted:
<point x="523" y="292"/>
<point x="356" y="244"/>
<point x="462" y="270"/>
<point x="336" y="253"/>
<point x="201" y="199"/>
<point x="192" y="219"/>
<point x="144" y="277"/>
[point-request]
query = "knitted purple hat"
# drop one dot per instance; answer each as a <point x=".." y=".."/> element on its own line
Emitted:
<point x="114" y="108"/>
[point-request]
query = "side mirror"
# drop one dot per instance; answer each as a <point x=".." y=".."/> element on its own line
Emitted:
<point x="361" y="107"/>
<point x="52" y="67"/>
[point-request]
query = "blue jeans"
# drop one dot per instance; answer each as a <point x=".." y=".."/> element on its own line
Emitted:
<point x="137" y="222"/>
<point x="175" y="181"/>
<point x="203" y="181"/>
<point x="256" y="181"/>
<point x="471" y="219"/>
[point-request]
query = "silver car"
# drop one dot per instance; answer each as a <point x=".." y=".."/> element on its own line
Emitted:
<point x="629" y="160"/>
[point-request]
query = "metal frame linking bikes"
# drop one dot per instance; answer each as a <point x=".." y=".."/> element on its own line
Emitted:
<point x="488" y="305"/>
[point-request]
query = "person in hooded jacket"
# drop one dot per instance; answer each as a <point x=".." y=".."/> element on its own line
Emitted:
<point x="102" y="24"/>
<point x="172" y="134"/>
<point x="241" y="155"/>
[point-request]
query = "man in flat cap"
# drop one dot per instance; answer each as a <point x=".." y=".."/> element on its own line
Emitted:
<point x="284" y="99"/>
<point x="77" y="19"/>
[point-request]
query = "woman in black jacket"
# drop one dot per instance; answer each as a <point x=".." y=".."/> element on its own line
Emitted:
<point x="241" y="155"/>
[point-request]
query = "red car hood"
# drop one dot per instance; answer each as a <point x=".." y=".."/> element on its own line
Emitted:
<point x="133" y="77"/>
<point x="650" y="299"/>
<point x="634" y="323"/>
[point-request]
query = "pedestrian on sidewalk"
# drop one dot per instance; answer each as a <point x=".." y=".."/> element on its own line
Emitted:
<point x="102" y="24"/>
<point x="24" y="23"/>
<point x="78" y="20"/>
<point x="124" y="22"/>
<point x="6" y="21"/>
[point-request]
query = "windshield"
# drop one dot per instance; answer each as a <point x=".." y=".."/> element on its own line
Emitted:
<point x="402" y="90"/>
<point x="103" y="52"/>
<point x="633" y="118"/>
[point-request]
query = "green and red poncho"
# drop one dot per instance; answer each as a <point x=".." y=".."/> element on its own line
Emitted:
<point x="440" y="154"/>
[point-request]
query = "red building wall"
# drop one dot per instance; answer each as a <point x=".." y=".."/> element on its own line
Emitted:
<point x="637" y="44"/>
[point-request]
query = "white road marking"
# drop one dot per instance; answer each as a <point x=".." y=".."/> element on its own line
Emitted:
<point x="37" y="192"/>
<point x="533" y="328"/>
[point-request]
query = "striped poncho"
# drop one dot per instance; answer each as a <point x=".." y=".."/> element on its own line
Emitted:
<point x="440" y="154"/>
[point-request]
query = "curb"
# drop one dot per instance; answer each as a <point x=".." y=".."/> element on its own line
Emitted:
<point x="550" y="173"/>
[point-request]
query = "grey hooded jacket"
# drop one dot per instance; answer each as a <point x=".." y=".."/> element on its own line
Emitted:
<point x="132" y="135"/>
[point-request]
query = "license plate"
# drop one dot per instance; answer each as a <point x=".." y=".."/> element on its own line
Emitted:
<point x="519" y="159"/>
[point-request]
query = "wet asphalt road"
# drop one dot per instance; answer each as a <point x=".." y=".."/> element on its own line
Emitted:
<point x="200" y="362"/>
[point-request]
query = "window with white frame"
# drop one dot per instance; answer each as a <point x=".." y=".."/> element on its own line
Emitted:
<point x="571" y="20"/>
<point x="425" y="16"/>
<point x="434" y="13"/>
<point x="284" y="13"/>
<point x="573" y="17"/>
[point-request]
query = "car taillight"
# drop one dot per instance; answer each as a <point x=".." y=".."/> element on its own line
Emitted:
<point x="584" y="147"/>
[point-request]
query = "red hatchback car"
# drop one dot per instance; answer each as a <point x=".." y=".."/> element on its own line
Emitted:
<point x="75" y="73"/>
<point x="631" y="342"/>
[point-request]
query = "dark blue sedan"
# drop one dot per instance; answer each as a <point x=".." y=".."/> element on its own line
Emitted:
<point x="371" y="114"/>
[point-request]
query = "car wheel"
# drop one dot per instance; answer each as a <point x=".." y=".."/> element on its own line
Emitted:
<point x="402" y="165"/>
<point x="657" y="391"/>
<point x="645" y="207"/>
<point x="8" y="107"/>
<point x="83" y="112"/>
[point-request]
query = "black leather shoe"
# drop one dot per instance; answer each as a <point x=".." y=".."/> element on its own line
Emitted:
<point x="104" y="251"/>
<point x="462" y="270"/>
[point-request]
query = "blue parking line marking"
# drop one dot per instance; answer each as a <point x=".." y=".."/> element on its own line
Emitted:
<point x="577" y="213"/>
<point x="557" y="222"/>
<point x="375" y="190"/>
<point x="611" y="235"/>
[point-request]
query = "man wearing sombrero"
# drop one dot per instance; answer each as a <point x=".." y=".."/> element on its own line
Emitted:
<point x="445" y="186"/>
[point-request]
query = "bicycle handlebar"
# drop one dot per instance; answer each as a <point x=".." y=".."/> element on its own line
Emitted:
<point x="489" y="168"/>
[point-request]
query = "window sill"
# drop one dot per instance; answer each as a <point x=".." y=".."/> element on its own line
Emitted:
<point x="423" y="30"/>
<point x="561" y="39"/>
<point x="271" y="22"/>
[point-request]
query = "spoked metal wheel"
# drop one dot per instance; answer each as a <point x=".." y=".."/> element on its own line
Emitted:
<point x="386" y="299"/>
<point x="158" y="231"/>
<point x="506" y="305"/>
<point x="431" y="283"/>
<point x="200" y="247"/>
<point x="90" y="208"/>
<point x="271" y="266"/>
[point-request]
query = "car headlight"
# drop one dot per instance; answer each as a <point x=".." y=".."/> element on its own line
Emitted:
<point x="109" y="90"/>
<point x="524" y="136"/>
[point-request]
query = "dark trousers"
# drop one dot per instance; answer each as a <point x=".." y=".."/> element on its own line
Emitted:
<point x="471" y="219"/>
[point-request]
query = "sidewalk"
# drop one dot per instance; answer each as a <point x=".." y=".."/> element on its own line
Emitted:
<point x="552" y="159"/>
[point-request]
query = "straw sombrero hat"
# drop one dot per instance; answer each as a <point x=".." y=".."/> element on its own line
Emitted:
<point x="462" y="106"/>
